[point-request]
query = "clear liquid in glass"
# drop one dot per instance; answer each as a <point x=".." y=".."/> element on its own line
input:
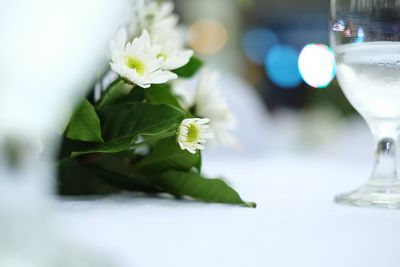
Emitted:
<point x="369" y="74"/>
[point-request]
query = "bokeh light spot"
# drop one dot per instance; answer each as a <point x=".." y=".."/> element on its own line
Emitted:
<point x="317" y="65"/>
<point x="281" y="66"/>
<point x="360" y="35"/>
<point x="339" y="26"/>
<point x="207" y="36"/>
<point x="257" y="42"/>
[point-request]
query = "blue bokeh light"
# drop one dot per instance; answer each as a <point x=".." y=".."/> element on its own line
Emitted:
<point x="360" y="35"/>
<point x="257" y="42"/>
<point x="281" y="66"/>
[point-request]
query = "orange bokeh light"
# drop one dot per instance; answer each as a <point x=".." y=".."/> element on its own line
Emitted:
<point x="207" y="36"/>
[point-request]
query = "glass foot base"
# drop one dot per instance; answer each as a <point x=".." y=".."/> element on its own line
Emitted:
<point x="373" y="195"/>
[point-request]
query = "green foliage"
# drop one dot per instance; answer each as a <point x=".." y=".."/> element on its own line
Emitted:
<point x="161" y="94"/>
<point x="114" y="146"/>
<point x="99" y="152"/>
<point x="109" y="173"/>
<point x="194" y="185"/>
<point x="124" y="122"/>
<point x="167" y="155"/>
<point x="115" y="91"/>
<point x="127" y="120"/>
<point x="189" y="69"/>
<point x="85" y="124"/>
<point x="78" y="178"/>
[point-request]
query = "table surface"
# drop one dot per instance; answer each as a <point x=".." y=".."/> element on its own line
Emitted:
<point x="295" y="223"/>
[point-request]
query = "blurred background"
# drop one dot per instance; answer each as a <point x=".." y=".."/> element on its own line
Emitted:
<point x="277" y="52"/>
<point x="262" y="41"/>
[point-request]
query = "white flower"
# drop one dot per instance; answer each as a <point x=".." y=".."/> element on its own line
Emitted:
<point x="204" y="97"/>
<point x="173" y="57"/>
<point x="192" y="133"/>
<point x="162" y="25"/>
<point x="138" y="61"/>
<point x="168" y="29"/>
<point x="153" y="16"/>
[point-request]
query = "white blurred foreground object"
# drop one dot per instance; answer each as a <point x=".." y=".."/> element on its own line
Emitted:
<point x="50" y="51"/>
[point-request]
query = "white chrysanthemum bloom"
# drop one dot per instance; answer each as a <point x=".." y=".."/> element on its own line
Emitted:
<point x="152" y="15"/>
<point x="193" y="133"/>
<point x="202" y="94"/>
<point x="173" y="57"/>
<point x="162" y="24"/>
<point x="138" y="61"/>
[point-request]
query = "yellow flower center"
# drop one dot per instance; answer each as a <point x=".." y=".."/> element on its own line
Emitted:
<point x="193" y="134"/>
<point x="136" y="65"/>
<point x="162" y="55"/>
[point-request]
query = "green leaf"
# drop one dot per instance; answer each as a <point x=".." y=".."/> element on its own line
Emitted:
<point x="125" y="181"/>
<point x="109" y="147"/>
<point x="127" y="120"/>
<point x="189" y="69"/>
<point x="136" y="95"/>
<point x="122" y="123"/>
<point x="79" y="179"/>
<point x="167" y="155"/>
<point x="194" y="185"/>
<point x="161" y="94"/>
<point x="85" y="124"/>
<point x="117" y="173"/>
<point x="115" y="91"/>
<point x="101" y="175"/>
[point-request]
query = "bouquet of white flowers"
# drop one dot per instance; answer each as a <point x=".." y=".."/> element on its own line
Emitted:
<point x="145" y="130"/>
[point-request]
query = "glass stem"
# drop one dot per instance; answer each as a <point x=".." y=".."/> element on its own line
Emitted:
<point x="385" y="170"/>
<point x="385" y="160"/>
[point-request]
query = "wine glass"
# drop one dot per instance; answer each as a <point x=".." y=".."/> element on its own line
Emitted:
<point x="365" y="36"/>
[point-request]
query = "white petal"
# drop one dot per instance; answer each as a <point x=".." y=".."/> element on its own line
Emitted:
<point x="159" y="76"/>
<point x="145" y="37"/>
<point x="191" y="150"/>
<point x="165" y="9"/>
<point x="203" y="121"/>
<point x="198" y="146"/>
<point x="181" y="146"/>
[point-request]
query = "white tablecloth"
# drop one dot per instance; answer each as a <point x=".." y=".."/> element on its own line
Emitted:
<point x="296" y="222"/>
